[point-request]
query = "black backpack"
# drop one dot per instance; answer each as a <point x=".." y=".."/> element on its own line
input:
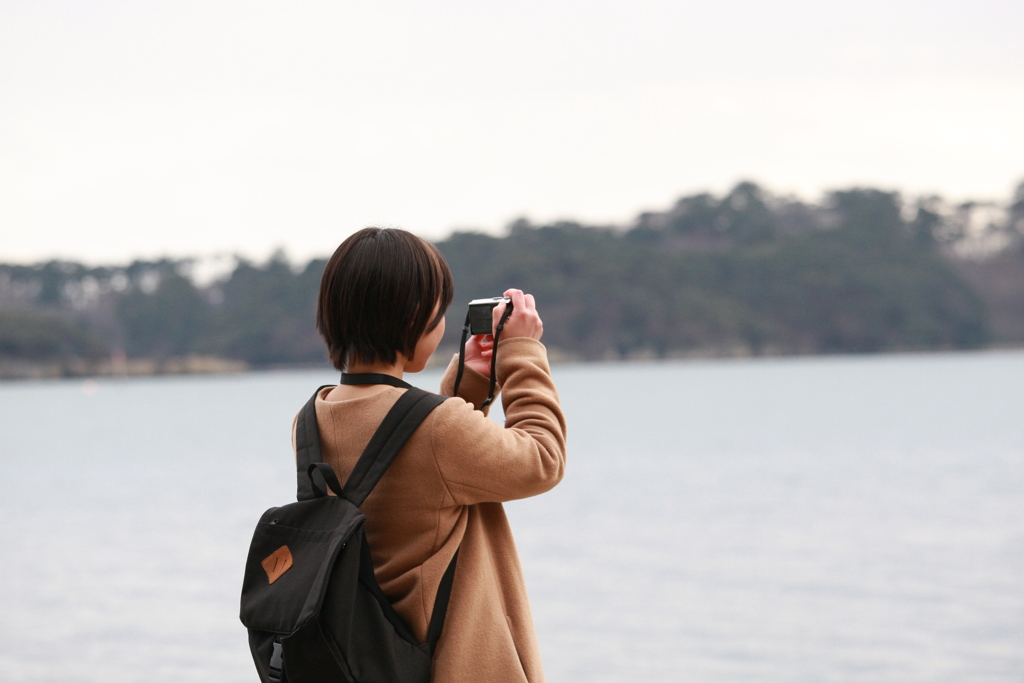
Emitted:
<point x="310" y="600"/>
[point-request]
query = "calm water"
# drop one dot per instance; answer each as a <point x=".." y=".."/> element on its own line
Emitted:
<point x="843" y="519"/>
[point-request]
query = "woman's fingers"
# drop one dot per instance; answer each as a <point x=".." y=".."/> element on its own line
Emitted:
<point x="479" y="349"/>
<point x="518" y="299"/>
<point x="496" y="314"/>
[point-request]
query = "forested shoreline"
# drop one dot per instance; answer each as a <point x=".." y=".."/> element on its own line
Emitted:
<point x="742" y="274"/>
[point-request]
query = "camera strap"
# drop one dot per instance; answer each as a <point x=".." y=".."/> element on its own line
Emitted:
<point x="494" y="356"/>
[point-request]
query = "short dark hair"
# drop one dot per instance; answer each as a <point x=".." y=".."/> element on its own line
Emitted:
<point x="377" y="296"/>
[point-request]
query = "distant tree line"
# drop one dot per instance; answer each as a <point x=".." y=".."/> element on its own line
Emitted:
<point x="746" y="273"/>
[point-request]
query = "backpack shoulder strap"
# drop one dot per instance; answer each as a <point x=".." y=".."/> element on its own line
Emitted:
<point x="307" y="446"/>
<point x="394" y="431"/>
<point x="399" y="424"/>
<point x="405" y="416"/>
<point x="444" y="594"/>
<point x="401" y="421"/>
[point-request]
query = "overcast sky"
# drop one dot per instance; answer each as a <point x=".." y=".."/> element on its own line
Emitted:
<point x="141" y="129"/>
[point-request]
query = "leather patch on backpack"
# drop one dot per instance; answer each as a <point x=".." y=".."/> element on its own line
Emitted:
<point x="277" y="563"/>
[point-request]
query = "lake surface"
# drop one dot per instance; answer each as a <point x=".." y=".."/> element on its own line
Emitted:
<point x="823" y="519"/>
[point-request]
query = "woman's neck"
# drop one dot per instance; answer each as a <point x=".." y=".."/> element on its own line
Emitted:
<point x="396" y="369"/>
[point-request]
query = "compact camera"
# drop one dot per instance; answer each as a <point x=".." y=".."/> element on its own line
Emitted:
<point x="480" y="321"/>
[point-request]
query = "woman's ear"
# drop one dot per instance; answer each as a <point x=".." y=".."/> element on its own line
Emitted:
<point x="425" y="347"/>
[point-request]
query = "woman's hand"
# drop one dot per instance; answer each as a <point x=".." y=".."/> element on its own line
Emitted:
<point x="479" y="348"/>
<point x="524" y="322"/>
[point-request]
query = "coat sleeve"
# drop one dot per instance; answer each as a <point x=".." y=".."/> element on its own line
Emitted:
<point x="481" y="461"/>
<point x="473" y="388"/>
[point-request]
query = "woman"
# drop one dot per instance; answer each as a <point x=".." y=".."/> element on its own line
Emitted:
<point x="381" y="310"/>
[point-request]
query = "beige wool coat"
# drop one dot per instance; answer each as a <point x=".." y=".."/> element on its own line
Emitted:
<point x="444" y="492"/>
